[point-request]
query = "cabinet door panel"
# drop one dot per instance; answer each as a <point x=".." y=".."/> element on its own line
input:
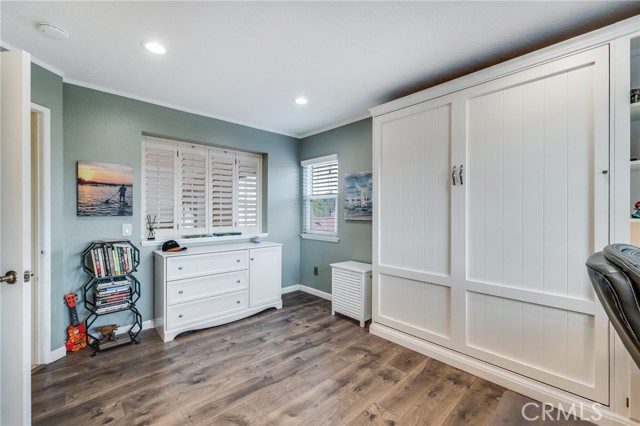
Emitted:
<point x="264" y="275"/>
<point x="415" y="307"/>
<point x="536" y="207"/>
<point x="415" y="189"/>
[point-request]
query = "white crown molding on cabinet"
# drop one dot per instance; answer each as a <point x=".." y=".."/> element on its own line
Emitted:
<point x="571" y="46"/>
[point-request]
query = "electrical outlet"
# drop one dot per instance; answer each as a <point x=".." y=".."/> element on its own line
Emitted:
<point x="315" y="270"/>
<point x="126" y="230"/>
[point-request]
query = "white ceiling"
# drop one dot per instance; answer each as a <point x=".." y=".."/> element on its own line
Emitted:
<point x="245" y="61"/>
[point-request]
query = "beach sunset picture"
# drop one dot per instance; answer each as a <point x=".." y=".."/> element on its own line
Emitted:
<point x="104" y="189"/>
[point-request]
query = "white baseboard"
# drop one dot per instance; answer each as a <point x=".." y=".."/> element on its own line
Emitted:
<point x="315" y="292"/>
<point x="56" y="354"/>
<point x="306" y="289"/>
<point x="523" y="385"/>
<point x="291" y="288"/>
<point x="148" y="324"/>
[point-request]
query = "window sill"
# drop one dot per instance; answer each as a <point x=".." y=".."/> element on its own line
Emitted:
<point x="318" y="237"/>
<point x="157" y="243"/>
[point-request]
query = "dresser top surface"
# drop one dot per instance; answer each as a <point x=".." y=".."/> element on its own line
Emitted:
<point x="216" y="248"/>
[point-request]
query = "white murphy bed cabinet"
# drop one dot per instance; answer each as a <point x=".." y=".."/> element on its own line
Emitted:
<point x="207" y="286"/>
<point x="490" y="193"/>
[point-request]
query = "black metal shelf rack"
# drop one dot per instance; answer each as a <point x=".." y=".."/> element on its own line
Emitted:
<point x="102" y="278"/>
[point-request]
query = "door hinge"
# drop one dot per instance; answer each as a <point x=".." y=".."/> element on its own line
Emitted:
<point x="627" y="402"/>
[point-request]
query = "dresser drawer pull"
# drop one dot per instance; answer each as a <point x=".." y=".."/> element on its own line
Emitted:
<point x="238" y="260"/>
<point x="179" y="315"/>
<point x="179" y="268"/>
<point x="180" y="291"/>
<point x="238" y="302"/>
<point x="252" y="258"/>
<point x="238" y="281"/>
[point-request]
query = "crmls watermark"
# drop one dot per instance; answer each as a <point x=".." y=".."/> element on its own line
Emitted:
<point x="534" y="411"/>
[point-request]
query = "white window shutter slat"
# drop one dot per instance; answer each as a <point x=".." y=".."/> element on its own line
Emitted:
<point x="160" y="184"/>
<point x="247" y="172"/>
<point x="193" y="188"/>
<point x="221" y="164"/>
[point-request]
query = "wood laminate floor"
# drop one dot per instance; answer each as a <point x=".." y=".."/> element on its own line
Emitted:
<point x="295" y="366"/>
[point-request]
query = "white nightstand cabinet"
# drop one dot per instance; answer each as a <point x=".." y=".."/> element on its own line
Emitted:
<point x="207" y="286"/>
<point x="351" y="290"/>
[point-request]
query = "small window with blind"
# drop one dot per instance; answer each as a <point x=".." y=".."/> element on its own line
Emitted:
<point x="191" y="189"/>
<point x="320" y="198"/>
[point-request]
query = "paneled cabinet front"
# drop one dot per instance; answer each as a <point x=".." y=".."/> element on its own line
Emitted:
<point x="209" y="286"/>
<point x="490" y="200"/>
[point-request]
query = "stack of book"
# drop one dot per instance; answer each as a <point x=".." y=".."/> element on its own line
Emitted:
<point x="111" y="260"/>
<point x="112" y="295"/>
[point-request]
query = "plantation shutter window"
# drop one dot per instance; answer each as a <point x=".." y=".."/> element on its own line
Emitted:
<point x="195" y="190"/>
<point x="320" y="196"/>
<point x="159" y="187"/>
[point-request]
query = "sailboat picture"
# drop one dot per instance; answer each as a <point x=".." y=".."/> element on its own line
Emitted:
<point x="105" y="189"/>
<point x="358" y="190"/>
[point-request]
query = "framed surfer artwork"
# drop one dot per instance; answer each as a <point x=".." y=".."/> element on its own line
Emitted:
<point x="105" y="189"/>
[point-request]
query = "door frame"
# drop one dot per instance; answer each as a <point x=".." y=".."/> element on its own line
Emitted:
<point x="42" y="325"/>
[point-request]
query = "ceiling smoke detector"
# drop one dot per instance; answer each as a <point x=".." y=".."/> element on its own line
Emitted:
<point x="52" y="31"/>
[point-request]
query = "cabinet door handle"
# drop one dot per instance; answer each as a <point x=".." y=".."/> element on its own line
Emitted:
<point x="238" y="281"/>
<point x="179" y="268"/>
<point x="238" y="302"/>
<point x="179" y="315"/>
<point x="461" y="174"/>
<point x="453" y="175"/>
<point x="180" y="291"/>
<point x="238" y="260"/>
<point x="252" y="258"/>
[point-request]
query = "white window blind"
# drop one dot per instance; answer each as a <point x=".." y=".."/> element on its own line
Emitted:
<point x="320" y="195"/>
<point x="196" y="189"/>
<point x="248" y="168"/>
<point x="159" y="185"/>
<point x="222" y="165"/>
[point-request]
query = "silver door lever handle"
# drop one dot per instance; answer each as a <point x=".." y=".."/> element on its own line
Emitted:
<point x="10" y="277"/>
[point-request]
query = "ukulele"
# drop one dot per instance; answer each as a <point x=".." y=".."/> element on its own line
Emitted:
<point x="76" y="331"/>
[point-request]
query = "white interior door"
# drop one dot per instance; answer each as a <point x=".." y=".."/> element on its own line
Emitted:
<point x="536" y="203"/>
<point x="15" y="239"/>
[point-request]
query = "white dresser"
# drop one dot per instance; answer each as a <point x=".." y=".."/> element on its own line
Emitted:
<point x="351" y="290"/>
<point x="212" y="285"/>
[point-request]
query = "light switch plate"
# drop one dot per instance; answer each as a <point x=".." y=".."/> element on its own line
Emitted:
<point x="126" y="230"/>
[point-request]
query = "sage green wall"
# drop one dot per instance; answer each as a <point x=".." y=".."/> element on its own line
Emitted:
<point x="103" y="127"/>
<point x="353" y="144"/>
<point x="46" y="91"/>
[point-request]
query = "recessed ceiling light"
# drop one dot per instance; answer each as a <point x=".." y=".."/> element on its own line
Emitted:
<point x="300" y="100"/>
<point x="155" y="47"/>
<point x="52" y="31"/>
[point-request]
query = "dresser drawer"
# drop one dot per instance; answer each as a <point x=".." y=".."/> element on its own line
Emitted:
<point x="210" y="285"/>
<point x="193" y="312"/>
<point x="180" y="267"/>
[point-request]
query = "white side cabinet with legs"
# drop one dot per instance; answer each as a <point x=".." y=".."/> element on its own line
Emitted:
<point x="212" y="285"/>
<point x="351" y="290"/>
